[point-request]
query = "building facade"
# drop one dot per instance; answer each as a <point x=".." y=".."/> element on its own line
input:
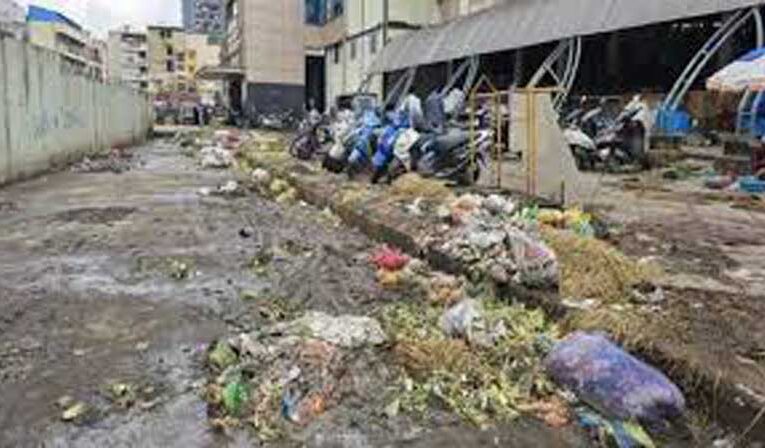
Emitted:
<point x="264" y="49"/>
<point x="175" y="57"/>
<point x="12" y="19"/>
<point x="55" y="31"/>
<point x="349" y="34"/>
<point x="167" y="59"/>
<point x="203" y="16"/>
<point x="129" y="57"/>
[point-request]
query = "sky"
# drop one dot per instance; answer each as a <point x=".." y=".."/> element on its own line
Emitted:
<point x="100" y="16"/>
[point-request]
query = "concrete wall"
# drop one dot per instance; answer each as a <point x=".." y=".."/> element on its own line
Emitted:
<point x="49" y="115"/>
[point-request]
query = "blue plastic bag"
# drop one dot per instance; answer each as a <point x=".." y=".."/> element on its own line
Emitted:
<point x="612" y="381"/>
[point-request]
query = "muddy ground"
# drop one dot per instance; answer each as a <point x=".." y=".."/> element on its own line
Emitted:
<point x="110" y="279"/>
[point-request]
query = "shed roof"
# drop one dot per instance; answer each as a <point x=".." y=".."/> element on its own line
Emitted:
<point x="522" y="23"/>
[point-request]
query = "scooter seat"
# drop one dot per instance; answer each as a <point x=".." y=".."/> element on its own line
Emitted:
<point x="454" y="138"/>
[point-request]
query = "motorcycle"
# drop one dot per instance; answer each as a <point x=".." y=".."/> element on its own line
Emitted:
<point x="447" y="156"/>
<point x="596" y="141"/>
<point x="312" y="135"/>
<point x="625" y="143"/>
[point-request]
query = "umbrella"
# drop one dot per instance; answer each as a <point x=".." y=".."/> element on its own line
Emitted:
<point x="747" y="73"/>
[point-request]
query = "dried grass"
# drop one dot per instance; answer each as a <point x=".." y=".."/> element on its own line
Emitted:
<point x="424" y="357"/>
<point x="412" y="186"/>
<point x="593" y="269"/>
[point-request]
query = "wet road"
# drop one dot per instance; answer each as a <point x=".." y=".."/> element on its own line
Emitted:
<point x="89" y="300"/>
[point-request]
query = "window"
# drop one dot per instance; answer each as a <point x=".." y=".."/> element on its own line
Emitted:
<point x="373" y="43"/>
<point x="353" y="50"/>
<point x="169" y="50"/>
<point x="144" y="85"/>
<point x="336" y="51"/>
<point x="170" y="67"/>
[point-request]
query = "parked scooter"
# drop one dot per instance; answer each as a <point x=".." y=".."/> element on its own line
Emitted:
<point x="312" y="135"/>
<point x="596" y="141"/>
<point x="625" y="143"/>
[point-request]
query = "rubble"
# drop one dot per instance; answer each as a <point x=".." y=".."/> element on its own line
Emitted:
<point x="116" y="161"/>
<point x="342" y="331"/>
<point x="215" y="157"/>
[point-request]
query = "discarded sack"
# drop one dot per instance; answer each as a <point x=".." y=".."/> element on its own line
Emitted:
<point x="614" y="382"/>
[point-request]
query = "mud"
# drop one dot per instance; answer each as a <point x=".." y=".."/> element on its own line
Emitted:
<point x="90" y="299"/>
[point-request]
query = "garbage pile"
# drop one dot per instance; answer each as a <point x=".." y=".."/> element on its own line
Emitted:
<point x="492" y="245"/>
<point x="116" y="161"/>
<point x="287" y="374"/>
<point x="478" y="358"/>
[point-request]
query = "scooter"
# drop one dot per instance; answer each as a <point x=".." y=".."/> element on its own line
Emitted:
<point x="625" y="143"/>
<point x="312" y="135"/>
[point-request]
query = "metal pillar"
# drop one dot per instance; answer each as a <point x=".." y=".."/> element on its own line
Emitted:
<point x="702" y="57"/>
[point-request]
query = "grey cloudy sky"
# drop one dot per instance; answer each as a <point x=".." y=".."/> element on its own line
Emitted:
<point x="103" y="15"/>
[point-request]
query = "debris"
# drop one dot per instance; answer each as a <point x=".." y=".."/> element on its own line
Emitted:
<point x="278" y="186"/>
<point x="216" y="157"/>
<point x="234" y="397"/>
<point x="613" y="381"/>
<point x="289" y="196"/>
<point x="389" y="259"/>
<point x="344" y="331"/>
<point x="64" y="402"/>
<point x="554" y="412"/>
<point x="392" y="409"/>
<point x="260" y="176"/>
<point x="222" y="356"/>
<point x="117" y="161"/>
<point x="246" y="232"/>
<point x="74" y="412"/>
<point x="751" y="185"/>
<point x="649" y="294"/>
<point x="179" y="270"/>
<point x="496" y="247"/>
<point x="230" y="188"/>
<point x="626" y="434"/>
<point x="445" y="290"/>
<point x="719" y="182"/>
<point x="498" y="205"/>
<point x="142" y="346"/>
<point x="458" y="321"/>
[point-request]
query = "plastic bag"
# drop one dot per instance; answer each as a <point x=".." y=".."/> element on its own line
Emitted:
<point x="389" y="259"/>
<point x="612" y="381"/>
<point x="537" y="264"/>
<point x="458" y="321"/>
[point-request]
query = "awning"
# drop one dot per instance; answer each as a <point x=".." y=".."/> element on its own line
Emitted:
<point x="220" y="73"/>
<point x="522" y="23"/>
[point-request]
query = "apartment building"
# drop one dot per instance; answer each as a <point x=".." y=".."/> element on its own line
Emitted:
<point x="167" y="59"/>
<point x="175" y="59"/>
<point x="57" y="32"/>
<point x="202" y="50"/>
<point x="203" y="16"/>
<point x="349" y="34"/>
<point x="451" y="9"/>
<point x="129" y="57"/>
<point x="263" y="58"/>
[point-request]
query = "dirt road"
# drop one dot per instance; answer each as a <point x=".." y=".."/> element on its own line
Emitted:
<point x="114" y="282"/>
